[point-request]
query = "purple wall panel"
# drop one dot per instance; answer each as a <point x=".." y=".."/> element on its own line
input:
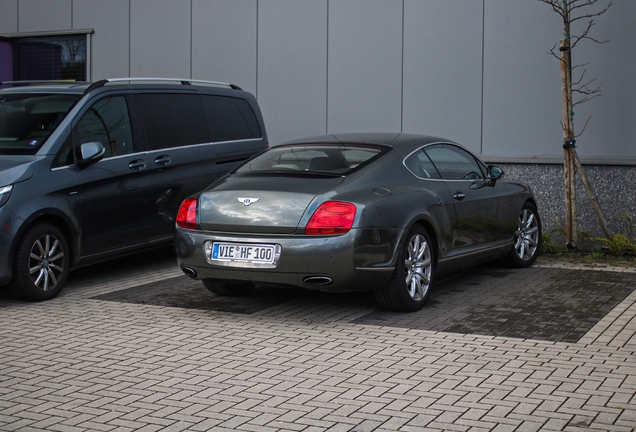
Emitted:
<point x="6" y="61"/>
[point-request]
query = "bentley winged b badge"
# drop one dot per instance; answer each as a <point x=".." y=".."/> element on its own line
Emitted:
<point x="248" y="201"/>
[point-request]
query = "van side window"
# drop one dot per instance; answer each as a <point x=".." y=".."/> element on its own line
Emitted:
<point x="230" y="119"/>
<point x="173" y="119"/>
<point x="107" y="122"/>
<point x="64" y="157"/>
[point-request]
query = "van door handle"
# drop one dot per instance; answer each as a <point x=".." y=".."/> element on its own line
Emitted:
<point x="163" y="160"/>
<point x="137" y="164"/>
<point x="459" y="196"/>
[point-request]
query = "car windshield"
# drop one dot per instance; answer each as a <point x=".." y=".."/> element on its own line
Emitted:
<point x="27" y="119"/>
<point x="333" y="159"/>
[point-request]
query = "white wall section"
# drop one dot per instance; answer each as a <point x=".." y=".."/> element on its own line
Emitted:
<point x="443" y="69"/>
<point x="292" y="67"/>
<point x="224" y="45"/>
<point x="111" y="48"/>
<point x="160" y="41"/>
<point x="365" y="66"/>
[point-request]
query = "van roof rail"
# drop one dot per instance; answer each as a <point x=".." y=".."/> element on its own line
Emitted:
<point x="40" y="82"/>
<point x="170" y="80"/>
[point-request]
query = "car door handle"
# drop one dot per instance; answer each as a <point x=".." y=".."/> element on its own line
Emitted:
<point x="459" y="196"/>
<point x="163" y="160"/>
<point x="137" y="164"/>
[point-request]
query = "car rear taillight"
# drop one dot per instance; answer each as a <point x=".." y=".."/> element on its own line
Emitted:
<point x="187" y="214"/>
<point x="332" y="217"/>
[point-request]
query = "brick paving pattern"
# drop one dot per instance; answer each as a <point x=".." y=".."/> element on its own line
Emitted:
<point x="535" y="303"/>
<point x="119" y="351"/>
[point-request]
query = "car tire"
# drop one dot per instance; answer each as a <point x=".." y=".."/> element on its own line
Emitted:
<point x="411" y="282"/>
<point x="233" y="289"/>
<point x="41" y="263"/>
<point x="527" y="237"/>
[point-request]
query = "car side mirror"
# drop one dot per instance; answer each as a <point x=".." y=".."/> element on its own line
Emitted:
<point x="90" y="152"/>
<point x="494" y="172"/>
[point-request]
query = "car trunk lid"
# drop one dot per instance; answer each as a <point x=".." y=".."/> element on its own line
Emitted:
<point x="263" y="204"/>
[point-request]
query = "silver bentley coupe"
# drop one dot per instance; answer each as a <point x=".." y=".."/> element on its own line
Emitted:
<point x="355" y="212"/>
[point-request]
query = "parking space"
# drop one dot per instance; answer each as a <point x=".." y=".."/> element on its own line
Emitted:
<point x="135" y="345"/>
<point x="536" y="303"/>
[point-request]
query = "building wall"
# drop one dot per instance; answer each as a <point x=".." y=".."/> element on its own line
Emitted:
<point x="474" y="71"/>
<point x="613" y="188"/>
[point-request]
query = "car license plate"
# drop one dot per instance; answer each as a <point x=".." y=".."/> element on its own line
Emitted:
<point x="254" y="253"/>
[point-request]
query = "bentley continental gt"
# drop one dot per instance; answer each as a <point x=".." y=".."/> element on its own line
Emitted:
<point x="355" y="212"/>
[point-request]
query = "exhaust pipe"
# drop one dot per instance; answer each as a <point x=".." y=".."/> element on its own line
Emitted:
<point x="189" y="272"/>
<point x="318" y="280"/>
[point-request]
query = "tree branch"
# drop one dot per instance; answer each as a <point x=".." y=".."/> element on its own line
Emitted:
<point x="584" y="127"/>
<point x="555" y="6"/>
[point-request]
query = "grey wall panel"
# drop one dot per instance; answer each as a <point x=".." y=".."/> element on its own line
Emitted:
<point x="522" y="84"/>
<point x="292" y="67"/>
<point x="160" y="38"/>
<point x="442" y="69"/>
<point x="110" y="46"/>
<point x="365" y="66"/>
<point x="337" y="66"/>
<point x="49" y="15"/>
<point x="9" y="16"/>
<point x="611" y="130"/>
<point x="224" y="41"/>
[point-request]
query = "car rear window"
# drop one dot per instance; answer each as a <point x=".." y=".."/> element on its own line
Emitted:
<point x="28" y="119"/>
<point x="338" y="159"/>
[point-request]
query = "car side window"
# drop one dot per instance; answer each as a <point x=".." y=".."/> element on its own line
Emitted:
<point x="173" y="119"/>
<point x="421" y="166"/>
<point x="230" y="119"/>
<point x="454" y="163"/>
<point x="107" y="122"/>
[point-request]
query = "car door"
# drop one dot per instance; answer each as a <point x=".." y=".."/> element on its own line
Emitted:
<point x="482" y="206"/>
<point x="113" y="192"/>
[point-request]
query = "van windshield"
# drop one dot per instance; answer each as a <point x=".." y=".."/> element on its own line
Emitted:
<point x="27" y="120"/>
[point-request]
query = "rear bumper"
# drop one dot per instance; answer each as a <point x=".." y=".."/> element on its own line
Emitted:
<point x="360" y="260"/>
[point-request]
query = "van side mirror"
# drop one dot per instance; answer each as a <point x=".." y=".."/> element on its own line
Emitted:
<point x="494" y="172"/>
<point x="90" y="152"/>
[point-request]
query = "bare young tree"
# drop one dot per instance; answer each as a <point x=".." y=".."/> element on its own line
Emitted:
<point x="572" y="11"/>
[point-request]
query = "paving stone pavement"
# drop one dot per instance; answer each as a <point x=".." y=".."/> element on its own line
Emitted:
<point x="135" y="345"/>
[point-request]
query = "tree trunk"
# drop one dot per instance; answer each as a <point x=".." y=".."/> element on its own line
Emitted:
<point x="590" y="193"/>
<point x="569" y="169"/>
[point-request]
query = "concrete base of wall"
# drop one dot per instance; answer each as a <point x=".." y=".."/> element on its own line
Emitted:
<point x="614" y="186"/>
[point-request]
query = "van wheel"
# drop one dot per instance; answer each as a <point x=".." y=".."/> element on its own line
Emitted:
<point x="410" y="284"/>
<point x="229" y="289"/>
<point x="41" y="264"/>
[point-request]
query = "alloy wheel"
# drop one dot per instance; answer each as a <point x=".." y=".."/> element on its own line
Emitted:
<point x="417" y="267"/>
<point x="46" y="262"/>
<point x="527" y="235"/>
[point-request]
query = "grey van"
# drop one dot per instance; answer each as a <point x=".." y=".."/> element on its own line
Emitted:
<point x="92" y="171"/>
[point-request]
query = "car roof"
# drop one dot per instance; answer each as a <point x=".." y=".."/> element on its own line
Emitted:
<point x="396" y="140"/>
